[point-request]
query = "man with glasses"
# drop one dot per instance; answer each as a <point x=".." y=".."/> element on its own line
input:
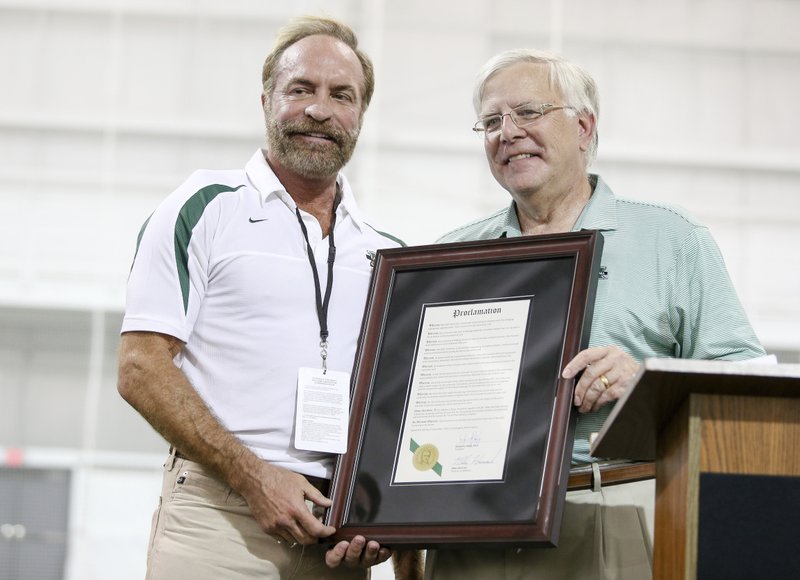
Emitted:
<point x="663" y="292"/>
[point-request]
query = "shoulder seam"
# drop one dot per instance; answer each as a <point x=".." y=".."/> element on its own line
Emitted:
<point x="387" y="235"/>
<point x="673" y="210"/>
<point x="475" y="223"/>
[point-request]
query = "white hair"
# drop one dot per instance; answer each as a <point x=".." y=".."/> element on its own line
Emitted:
<point x="576" y="86"/>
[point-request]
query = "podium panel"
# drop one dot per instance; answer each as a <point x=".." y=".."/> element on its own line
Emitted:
<point x="751" y="515"/>
<point x="725" y="437"/>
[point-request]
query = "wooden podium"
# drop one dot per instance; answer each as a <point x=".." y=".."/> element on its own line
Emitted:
<point x="726" y="440"/>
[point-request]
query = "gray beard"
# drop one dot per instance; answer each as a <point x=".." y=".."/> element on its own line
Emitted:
<point x="310" y="160"/>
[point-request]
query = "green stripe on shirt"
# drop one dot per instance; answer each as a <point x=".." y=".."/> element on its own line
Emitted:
<point x="190" y="214"/>
<point x="389" y="236"/>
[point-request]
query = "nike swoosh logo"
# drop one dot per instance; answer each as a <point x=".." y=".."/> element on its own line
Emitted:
<point x="252" y="221"/>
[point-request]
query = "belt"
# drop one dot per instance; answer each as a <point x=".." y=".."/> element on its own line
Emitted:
<point x="322" y="484"/>
<point x="611" y="474"/>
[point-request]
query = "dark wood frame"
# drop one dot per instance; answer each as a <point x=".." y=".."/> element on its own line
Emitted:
<point x="561" y="271"/>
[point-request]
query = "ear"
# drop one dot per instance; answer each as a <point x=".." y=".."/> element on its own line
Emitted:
<point x="587" y="125"/>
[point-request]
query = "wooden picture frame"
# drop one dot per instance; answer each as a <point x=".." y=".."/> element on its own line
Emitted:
<point x="461" y="427"/>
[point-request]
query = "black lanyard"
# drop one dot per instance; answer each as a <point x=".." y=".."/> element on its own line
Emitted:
<point x="322" y="305"/>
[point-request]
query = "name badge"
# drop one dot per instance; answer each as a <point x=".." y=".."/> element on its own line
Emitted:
<point x="323" y="410"/>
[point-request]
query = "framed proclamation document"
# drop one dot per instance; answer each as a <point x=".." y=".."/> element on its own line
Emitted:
<point x="461" y="427"/>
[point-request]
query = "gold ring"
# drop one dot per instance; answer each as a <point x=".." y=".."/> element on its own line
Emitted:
<point x="604" y="380"/>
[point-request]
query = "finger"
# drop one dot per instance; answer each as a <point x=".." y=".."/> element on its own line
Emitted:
<point x="585" y="400"/>
<point x="309" y="529"/>
<point x="316" y="496"/>
<point x="355" y="551"/>
<point x="287" y="532"/>
<point x="590" y="381"/>
<point x="363" y="553"/>
<point x="335" y="556"/>
<point x="622" y="370"/>
<point x="303" y="526"/>
<point x="298" y="526"/>
<point x="595" y="397"/>
<point x="368" y="556"/>
<point x="582" y="360"/>
<point x="611" y="394"/>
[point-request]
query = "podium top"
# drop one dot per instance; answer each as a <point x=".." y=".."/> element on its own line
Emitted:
<point x="662" y="384"/>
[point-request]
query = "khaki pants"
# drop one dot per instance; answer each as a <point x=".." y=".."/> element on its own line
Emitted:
<point x="203" y="530"/>
<point x="605" y="535"/>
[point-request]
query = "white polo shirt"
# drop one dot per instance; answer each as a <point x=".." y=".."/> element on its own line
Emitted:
<point x="222" y="265"/>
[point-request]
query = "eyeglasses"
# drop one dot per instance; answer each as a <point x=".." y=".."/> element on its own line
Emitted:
<point x="522" y="116"/>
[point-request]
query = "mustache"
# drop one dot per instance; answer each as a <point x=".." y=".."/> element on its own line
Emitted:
<point x="335" y="134"/>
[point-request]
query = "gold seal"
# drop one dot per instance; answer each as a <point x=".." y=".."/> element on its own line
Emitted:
<point x="425" y="457"/>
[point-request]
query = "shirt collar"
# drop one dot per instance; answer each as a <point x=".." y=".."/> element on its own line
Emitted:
<point x="269" y="186"/>
<point x="600" y="212"/>
<point x="509" y="227"/>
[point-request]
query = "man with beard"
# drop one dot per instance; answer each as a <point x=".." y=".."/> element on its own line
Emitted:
<point x="246" y="292"/>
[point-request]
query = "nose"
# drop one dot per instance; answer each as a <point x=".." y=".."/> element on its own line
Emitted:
<point x="318" y="110"/>
<point x="508" y="128"/>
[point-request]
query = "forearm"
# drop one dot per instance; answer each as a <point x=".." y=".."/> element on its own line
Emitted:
<point x="151" y="383"/>
<point x="154" y="386"/>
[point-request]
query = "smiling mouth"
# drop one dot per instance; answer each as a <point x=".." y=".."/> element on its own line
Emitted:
<point x="519" y="156"/>
<point x="315" y="136"/>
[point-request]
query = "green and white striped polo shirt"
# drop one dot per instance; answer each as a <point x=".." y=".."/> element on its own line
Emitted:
<point x="663" y="290"/>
